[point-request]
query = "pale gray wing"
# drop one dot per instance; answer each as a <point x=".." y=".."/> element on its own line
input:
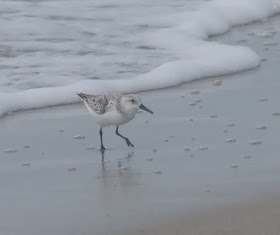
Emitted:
<point x="114" y="101"/>
<point x="98" y="104"/>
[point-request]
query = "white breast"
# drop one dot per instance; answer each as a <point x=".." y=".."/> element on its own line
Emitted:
<point x="110" y="117"/>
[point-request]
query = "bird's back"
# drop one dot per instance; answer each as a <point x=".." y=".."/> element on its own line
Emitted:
<point x="106" y="109"/>
<point x="96" y="103"/>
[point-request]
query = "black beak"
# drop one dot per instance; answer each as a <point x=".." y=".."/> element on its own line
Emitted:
<point x="145" y="108"/>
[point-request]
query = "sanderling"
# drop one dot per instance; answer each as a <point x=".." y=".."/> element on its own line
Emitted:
<point x="113" y="109"/>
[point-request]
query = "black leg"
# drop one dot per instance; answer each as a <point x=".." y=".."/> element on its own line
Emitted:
<point x="126" y="139"/>
<point x="102" y="146"/>
<point x="102" y="157"/>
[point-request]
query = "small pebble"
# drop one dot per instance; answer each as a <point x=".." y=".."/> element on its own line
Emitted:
<point x="157" y="172"/>
<point x="147" y="121"/>
<point x="78" y="137"/>
<point x="248" y="157"/>
<point x="61" y="130"/>
<point x="207" y="190"/>
<point x="187" y="149"/>
<point x="255" y="142"/>
<point x="71" y="169"/>
<point x="195" y="92"/>
<point x="225" y="131"/>
<point x="25" y="164"/>
<point x="90" y="148"/>
<point x="193" y="104"/>
<point x="234" y="166"/>
<point x="193" y="138"/>
<point x="149" y="159"/>
<point x="165" y="140"/>
<point x="230" y="141"/>
<point x="123" y="168"/>
<point x="266" y="34"/>
<point x="263" y="60"/>
<point x="261" y="127"/>
<point x="214" y="116"/>
<point x="182" y="96"/>
<point x="95" y="78"/>
<point x="203" y="148"/>
<point x="270" y="43"/>
<point x="145" y="47"/>
<point x="10" y="151"/>
<point x="155" y="150"/>
<point x="26" y="146"/>
<point x="197" y="101"/>
<point x="276" y="114"/>
<point x="263" y="99"/>
<point x="231" y="124"/>
<point x="217" y="83"/>
<point x="242" y="40"/>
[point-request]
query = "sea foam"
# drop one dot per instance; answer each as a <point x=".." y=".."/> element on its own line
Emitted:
<point x="180" y="37"/>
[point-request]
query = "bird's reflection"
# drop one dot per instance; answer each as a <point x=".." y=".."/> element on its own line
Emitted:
<point x="116" y="173"/>
<point x="118" y="178"/>
<point x="128" y="157"/>
<point x="102" y="157"/>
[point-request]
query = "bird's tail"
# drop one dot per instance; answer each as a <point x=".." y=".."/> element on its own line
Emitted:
<point x="82" y="95"/>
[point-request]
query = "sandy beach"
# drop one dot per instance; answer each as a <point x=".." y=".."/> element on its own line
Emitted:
<point x="207" y="161"/>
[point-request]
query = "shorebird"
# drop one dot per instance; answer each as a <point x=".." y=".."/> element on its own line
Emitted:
<point x="113" y="109"/>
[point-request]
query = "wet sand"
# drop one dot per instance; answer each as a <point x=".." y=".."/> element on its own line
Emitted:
<point x="255" y="217"/>
<point x="207" y="161"/>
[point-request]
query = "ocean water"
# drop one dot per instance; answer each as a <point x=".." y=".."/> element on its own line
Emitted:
<point x="50" y="49"/>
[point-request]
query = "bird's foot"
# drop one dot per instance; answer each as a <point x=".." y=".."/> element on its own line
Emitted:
<point x="129" y="144"/>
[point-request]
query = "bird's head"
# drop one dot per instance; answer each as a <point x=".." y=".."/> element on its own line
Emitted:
<point x="133" y="103"/>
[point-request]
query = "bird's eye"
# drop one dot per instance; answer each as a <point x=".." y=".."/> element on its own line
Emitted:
<point x="132" y="100"/>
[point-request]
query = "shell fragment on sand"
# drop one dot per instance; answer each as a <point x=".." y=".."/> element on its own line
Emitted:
<point x="255" y="142"/>
<point x="78" y="137"/>
<point x="10" y="150"/>
<point x="230" y="141"/>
